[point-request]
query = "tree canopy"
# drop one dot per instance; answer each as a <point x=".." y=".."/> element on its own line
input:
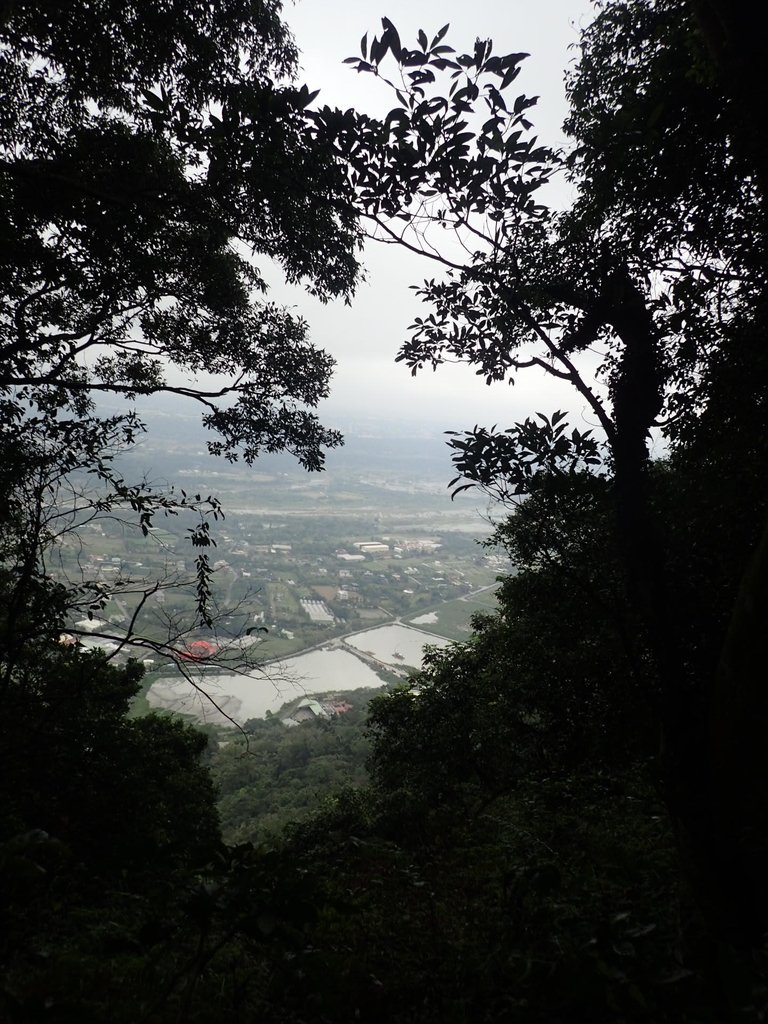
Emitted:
<point x="150" y="160"/>
<point x="647" y="296"/>
<point x="146" y="158"/>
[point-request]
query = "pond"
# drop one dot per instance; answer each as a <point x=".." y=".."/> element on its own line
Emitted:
<point x="428" y="619"/>
<point x="251" y="696"/>
<point x="395" y="644"/>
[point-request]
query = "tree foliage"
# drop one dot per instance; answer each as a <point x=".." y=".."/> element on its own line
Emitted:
<point x="149" y="159"/>
<point x="647" y="297"/>
<point x="276" y="775"/>
<point x="145" y="158"/>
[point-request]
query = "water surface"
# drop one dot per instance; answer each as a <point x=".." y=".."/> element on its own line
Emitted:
<point x="396" y="644"/>
<point x="241" y="697"/>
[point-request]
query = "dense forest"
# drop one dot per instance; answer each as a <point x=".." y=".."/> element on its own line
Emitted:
<point x="562" y="819"/>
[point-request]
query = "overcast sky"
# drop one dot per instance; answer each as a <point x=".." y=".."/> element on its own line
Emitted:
<point x="365" y="338"/>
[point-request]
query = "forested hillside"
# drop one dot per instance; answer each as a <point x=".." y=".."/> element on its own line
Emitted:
<point x="275" y="775"/>
<point x="561" y="819"/>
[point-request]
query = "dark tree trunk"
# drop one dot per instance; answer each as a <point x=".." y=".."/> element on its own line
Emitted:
<point x="719" y="827"/>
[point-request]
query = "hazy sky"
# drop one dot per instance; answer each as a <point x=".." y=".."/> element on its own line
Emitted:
<point x="365" y="338"/>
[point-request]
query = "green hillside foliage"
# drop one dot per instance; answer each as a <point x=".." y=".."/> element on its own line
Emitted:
<point x="272" y="775"/>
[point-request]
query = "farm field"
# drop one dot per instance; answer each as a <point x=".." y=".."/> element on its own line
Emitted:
<point x="452" y="619"/>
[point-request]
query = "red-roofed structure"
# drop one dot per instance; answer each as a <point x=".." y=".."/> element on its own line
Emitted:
<point x="199" y="650"/>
